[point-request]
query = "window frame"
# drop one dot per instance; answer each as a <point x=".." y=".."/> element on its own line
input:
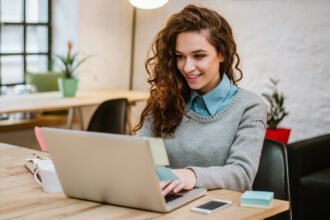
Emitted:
<point x="25" y="53"/>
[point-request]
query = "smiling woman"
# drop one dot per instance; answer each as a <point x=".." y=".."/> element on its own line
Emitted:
<point x="198" y="61"/>
<point x="213" y="130"/>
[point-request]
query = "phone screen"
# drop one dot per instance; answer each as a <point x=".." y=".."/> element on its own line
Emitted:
<point x="211" y="205"/>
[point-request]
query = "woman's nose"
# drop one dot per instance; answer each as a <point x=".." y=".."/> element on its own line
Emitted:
<point x="189" y="65"/>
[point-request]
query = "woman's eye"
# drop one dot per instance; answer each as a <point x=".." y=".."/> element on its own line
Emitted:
<point x="179" y="56"/>
<point x="199" y="56"/>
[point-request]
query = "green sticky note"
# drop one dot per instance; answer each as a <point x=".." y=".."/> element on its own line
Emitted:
<point x="165" y="174"/>
<point x="158" y="151"/>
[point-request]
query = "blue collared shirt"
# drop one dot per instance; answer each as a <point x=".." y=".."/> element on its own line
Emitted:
<point x="215" y="100"/>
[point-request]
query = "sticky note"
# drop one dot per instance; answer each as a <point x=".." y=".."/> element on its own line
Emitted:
<point x="40" y="139"/>
<point x="165" y="174"/>
<point x="158" y="151"/>
<point x="259" y="199"/>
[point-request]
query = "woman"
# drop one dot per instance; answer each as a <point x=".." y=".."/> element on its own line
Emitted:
<point x="213" y="130"/>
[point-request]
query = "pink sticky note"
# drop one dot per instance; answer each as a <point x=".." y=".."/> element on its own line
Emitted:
<point x="40" y="139"/>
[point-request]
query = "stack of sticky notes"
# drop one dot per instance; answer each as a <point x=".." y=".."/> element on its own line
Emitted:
<point x="165" y="174"/>
<point x="259" y="199"/>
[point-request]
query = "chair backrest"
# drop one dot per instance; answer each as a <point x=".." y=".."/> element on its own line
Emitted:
<point x="44" y="82"/>
<point x="110" y="117"/>
<point x="272" y="174"/>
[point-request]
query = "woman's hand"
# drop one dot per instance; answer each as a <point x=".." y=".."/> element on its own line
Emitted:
<point x="187" y="180"/>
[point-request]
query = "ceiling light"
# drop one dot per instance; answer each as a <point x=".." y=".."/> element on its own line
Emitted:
<point x="148" y="4"/>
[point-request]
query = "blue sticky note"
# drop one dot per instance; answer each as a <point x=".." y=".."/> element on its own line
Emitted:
<point x="260" y="199"/>
<point x="165" y="174"/>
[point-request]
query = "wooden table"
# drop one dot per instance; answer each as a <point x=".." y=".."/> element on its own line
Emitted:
<point x="22" y="198"/>
<point x="48" y="101"/>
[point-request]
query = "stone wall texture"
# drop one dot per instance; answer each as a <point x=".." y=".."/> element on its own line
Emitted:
<point x="284" y="39"/>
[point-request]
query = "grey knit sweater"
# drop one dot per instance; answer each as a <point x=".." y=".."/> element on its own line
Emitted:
<point x="223" y="150"/>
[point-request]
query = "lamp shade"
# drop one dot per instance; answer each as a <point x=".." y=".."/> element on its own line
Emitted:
<point x="148" y="4"/>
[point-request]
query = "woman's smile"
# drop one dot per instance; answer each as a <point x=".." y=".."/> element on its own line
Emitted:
<point x="193" y="76"/>
<point x="198" y="61"/>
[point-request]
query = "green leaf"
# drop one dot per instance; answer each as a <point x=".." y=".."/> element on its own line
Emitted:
<point x="276" y="111"/>
<point x="70" y="64"/>
<point x="81" y="62"/>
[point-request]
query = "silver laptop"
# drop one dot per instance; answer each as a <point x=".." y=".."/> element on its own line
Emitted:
<point x="110" y="168"/>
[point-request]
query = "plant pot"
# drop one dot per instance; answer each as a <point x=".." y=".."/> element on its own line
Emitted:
<point x="279" y="134"/>
<point x="68" y="86"/>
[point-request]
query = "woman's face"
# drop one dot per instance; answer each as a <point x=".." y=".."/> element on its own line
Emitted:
<point x="198" y="61"/>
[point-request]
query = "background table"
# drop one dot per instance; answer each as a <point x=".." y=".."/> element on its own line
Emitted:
<point x="49" y="101"/>
<point x="22" y="198"/>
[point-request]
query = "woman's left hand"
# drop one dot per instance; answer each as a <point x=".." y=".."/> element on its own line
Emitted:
<point x="187" y="180"/>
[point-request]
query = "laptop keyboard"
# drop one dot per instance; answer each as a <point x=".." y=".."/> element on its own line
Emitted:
<point x="172" y="196"/>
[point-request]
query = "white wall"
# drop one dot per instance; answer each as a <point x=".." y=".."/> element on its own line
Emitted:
<point x="104" y="29"/>
<point x="99" y="28"/>
<point x="289" y="40"/>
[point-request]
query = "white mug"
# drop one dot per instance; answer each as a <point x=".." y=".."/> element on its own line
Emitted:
<point x="46" y="176"/>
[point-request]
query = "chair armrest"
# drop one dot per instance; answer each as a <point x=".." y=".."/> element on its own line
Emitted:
<point x="308" y="156"/>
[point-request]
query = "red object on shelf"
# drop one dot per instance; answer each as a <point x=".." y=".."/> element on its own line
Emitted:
<point x="279" y="134"/>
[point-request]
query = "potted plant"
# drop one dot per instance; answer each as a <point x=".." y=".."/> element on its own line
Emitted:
<point x="68" y="84"/>
<point x="275" y="114"/>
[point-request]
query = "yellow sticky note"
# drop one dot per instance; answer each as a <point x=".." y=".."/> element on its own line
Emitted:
<point x="158" y="151"/>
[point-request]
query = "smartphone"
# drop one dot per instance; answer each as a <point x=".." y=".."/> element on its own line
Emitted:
<point x="211" y="206"/>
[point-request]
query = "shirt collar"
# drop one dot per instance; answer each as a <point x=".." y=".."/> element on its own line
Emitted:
<point x="214" y="98"/>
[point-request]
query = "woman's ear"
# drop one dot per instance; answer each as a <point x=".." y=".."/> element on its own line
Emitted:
<point x="221" y="58"/>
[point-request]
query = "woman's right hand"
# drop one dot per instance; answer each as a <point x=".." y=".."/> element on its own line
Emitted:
<point x="187" y="180"/>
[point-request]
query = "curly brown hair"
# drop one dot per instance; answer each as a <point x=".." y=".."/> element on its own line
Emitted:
<point x="169" y="90"/>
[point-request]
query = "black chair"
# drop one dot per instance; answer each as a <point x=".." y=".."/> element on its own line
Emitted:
<point x="110" y="117"/>
<point x="309" y="168"/>
<point x="273" y="174"/>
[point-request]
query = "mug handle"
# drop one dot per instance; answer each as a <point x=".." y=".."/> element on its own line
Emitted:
<point x="36" y="177"/>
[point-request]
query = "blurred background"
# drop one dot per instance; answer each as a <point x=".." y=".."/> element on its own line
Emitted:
<point x="284" y="39"/>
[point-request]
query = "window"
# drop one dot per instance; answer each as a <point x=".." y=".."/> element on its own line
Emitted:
<point x="25" y="39"/>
